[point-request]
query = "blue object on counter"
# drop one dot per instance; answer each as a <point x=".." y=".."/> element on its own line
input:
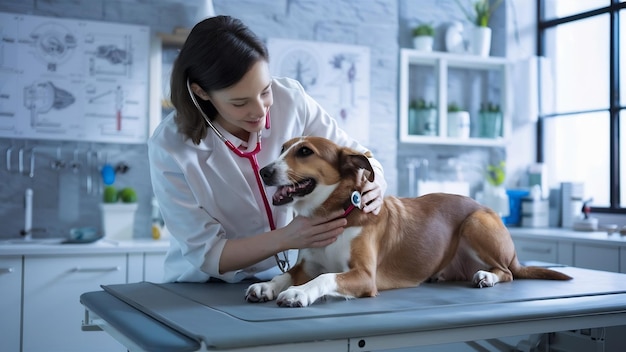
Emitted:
<point x="108" y="174"/>
<point x="515" y="206"/>
<point x="83" y="235"/>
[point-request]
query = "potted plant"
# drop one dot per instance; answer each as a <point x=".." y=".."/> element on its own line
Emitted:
<point x="490" y="121"/>
<point x="483" y="9"/>
<point x="118" y="212"/>
<point x="458" y="122"/>
<point x="423" y="37"/>
<point x="480" y="41"/>
<point x="422" y="117"/>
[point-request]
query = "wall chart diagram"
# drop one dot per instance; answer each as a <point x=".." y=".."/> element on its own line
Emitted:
<point x="64" y="79"/>
<point x="336" y="75"/>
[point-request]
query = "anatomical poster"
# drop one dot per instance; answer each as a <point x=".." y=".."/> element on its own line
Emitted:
<point x="63" y="79"/>
<point x="337" y="76"/>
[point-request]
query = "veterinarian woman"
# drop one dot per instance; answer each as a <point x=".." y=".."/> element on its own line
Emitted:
<point x="206" y="179"/>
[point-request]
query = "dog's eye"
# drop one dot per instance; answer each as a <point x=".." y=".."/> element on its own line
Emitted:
<point x="304" y="151"/>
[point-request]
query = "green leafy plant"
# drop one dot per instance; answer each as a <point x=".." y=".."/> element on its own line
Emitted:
<point x="424" y="30"/>
<point x="489" y="107"/>
<point x="109" y="195"/>
<point x="421" y="104"/>
<point x="496" y="173"/>
<point x="454" y="107"/>
<point x="483" y="9"/>
<point x="128" y="195"/>
<point x="113" y="195"/>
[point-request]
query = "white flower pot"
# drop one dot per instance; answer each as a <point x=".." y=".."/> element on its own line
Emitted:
<point x="118" y="220"/>
<point x="480" y="42"/>
<point x="459" y="124"/>
<point x="423" y="43"/>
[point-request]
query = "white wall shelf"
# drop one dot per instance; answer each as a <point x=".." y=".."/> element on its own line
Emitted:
<point x="438" y="65"/>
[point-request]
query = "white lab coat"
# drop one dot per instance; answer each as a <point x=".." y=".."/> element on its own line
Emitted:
<point x="208" y="195"/>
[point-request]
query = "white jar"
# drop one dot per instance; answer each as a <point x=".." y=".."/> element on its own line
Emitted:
<point x="459" y="124"/>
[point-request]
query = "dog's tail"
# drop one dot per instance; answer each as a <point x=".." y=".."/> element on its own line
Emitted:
<point x="536" y="272"/>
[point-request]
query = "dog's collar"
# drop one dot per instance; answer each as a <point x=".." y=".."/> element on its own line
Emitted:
<point x="355" y="202"/>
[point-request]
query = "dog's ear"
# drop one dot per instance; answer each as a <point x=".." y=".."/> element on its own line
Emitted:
<point x="351" y="163"/>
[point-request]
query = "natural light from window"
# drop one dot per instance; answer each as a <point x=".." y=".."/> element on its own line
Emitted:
<point x="563" y="8"/>
<point x="577" y="148"/>
<point x="622" y="122"/>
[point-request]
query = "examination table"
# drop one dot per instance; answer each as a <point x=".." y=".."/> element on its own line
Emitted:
<point x="215" y="317"/>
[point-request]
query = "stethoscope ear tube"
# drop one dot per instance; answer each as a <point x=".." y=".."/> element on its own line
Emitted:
<point x="206" y="118"/>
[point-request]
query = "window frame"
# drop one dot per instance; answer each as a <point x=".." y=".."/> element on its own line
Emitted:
<point x="614" y="109"/>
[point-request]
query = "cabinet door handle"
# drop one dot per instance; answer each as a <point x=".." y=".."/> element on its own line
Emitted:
<point x="7" y="270"/>
<point x="78" y="269"/>
<point x="537" y="250"/>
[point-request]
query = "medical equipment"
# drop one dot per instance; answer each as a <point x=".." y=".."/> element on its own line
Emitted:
<point x="355" y="202"/>
<point x="283" y="264"/>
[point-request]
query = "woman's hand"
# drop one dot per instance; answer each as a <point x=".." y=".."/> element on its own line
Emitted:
<point x="304" y="232"/>
<point x="371" y="197"/>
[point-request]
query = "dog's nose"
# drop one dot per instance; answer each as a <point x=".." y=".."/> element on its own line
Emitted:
<point x="267" y="173"/>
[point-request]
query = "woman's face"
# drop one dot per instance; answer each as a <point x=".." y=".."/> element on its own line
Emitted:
<point x="243" y="106"/>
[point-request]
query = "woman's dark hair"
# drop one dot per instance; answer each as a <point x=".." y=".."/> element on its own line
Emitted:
<point x="217" y="54"/>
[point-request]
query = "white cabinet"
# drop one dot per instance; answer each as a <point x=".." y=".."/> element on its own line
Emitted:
<point x="622" y="262"/>
<point x="581" y="255"/>
<point x="10" y="300"/>
<point x="40" y="288"/>
<point x="597" y="257"/>
<point x="468" y="81"/>
<point x="544" y="251"/>
<point x="153" y="267"/>
<point x="571" y="248"/>
<point x="147" y="266"/>
<point x="52" y="310"/>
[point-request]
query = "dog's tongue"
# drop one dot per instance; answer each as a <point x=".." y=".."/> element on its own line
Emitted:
<point x="283" y="195"/>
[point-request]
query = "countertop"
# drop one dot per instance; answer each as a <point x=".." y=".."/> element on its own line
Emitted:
<point x="105" y="246"/>
<point x="561" y="234"/>
<point x="102" y="246"/>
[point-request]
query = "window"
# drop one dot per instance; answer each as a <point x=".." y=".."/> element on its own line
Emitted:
<point x="584" y="108"/>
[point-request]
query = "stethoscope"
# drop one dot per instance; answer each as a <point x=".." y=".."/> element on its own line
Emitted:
<point x="283" y="264"/>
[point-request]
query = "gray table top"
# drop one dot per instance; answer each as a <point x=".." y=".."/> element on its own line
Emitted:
<point x="217" y="314"/>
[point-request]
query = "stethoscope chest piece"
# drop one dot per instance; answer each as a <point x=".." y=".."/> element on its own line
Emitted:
<point x="355" y="199"/>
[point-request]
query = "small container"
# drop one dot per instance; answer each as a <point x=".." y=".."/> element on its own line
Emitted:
<point x="459" y="124"/>
<point x="515" y="203"/>
<point x="535" y="210"/>
<point x="588" y="224"/>
<point x="490" y="124"/>
<point x="425" y="122"/>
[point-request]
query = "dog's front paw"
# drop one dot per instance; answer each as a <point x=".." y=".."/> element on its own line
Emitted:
<point x="260" y="292"/>
<point x="293" y="297"/>
<point x="484" y="279"/>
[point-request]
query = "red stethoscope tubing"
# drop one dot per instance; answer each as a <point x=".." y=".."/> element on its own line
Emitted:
<point x="283" y="264"/>
<point x="251" y="156"/>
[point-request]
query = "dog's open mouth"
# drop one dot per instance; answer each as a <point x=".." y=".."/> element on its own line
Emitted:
<point x="284" y="194"/>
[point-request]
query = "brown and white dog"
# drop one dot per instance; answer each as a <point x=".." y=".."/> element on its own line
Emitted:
<point x="434" y="237"/>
